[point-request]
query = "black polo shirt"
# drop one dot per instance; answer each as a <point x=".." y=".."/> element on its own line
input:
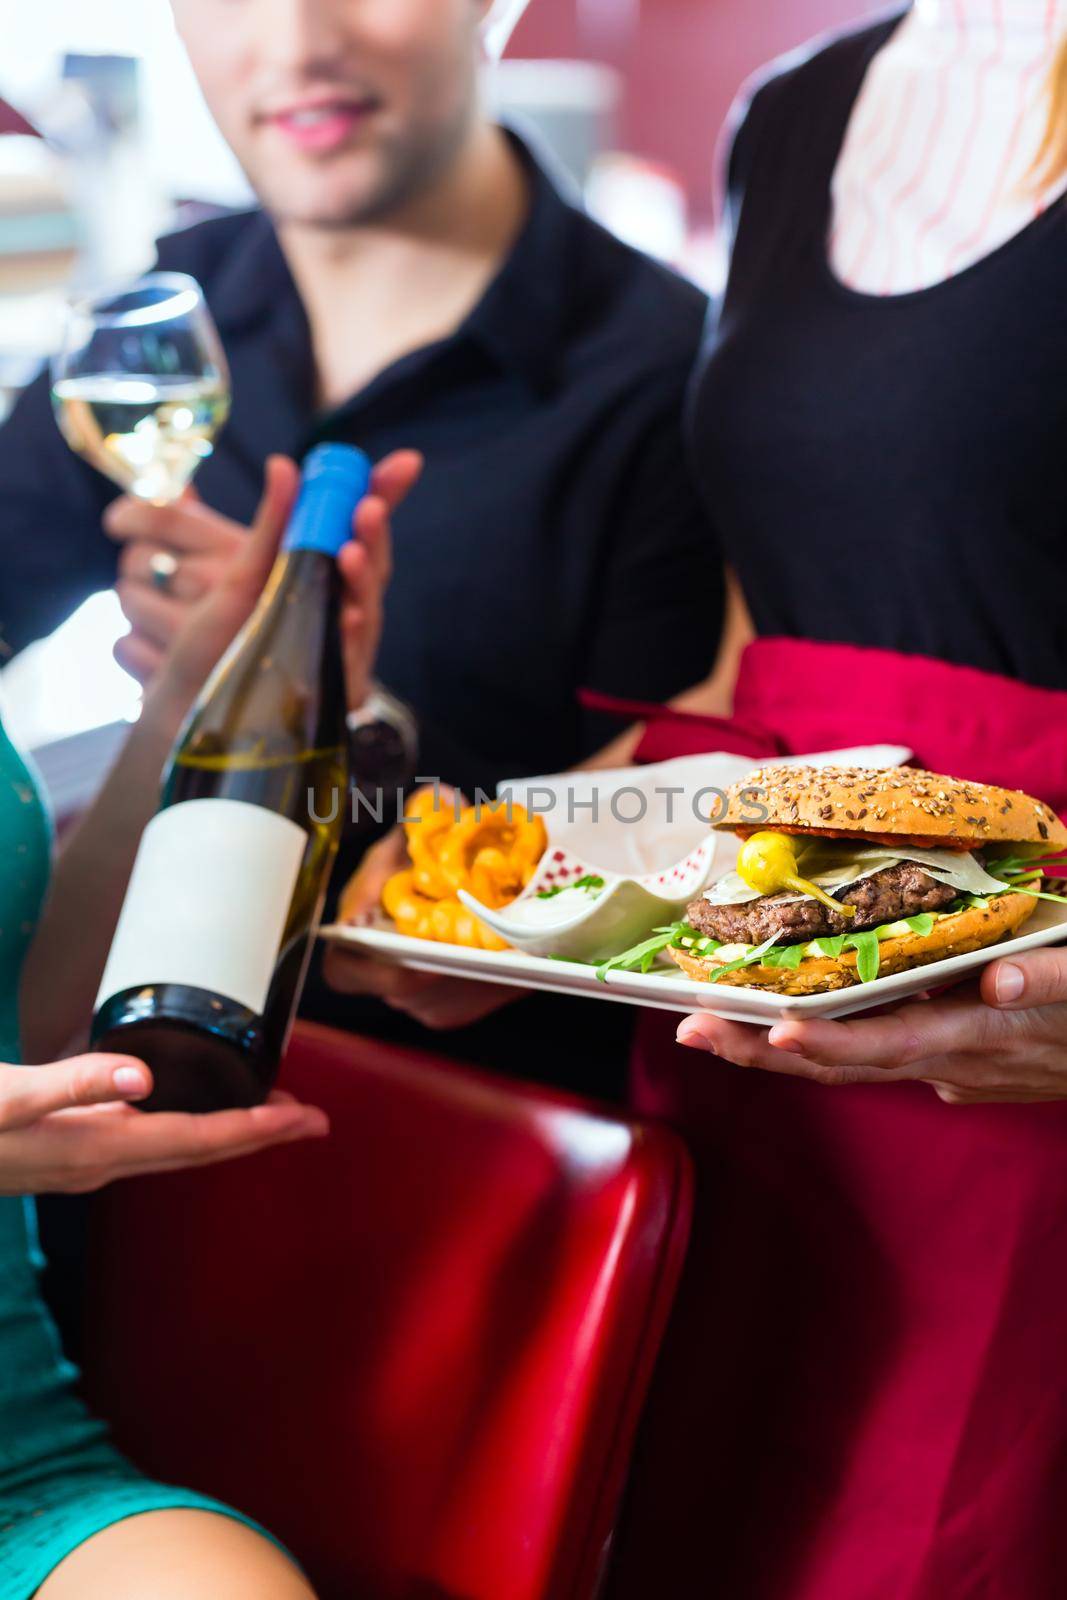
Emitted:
<point x="556" y="539"/>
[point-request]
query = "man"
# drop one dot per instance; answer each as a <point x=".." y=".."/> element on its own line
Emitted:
<point x="413" y="279"/>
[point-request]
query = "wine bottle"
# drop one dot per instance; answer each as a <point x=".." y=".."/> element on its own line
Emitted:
<point x="212" y="945"/>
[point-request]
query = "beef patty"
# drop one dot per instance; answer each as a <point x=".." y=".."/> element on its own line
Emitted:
<point x="900" y="891"/>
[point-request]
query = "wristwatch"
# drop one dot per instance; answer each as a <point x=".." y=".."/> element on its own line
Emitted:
<point x="383" y="742"/>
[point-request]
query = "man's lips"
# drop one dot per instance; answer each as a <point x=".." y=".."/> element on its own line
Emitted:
<point x="322" y="126"/>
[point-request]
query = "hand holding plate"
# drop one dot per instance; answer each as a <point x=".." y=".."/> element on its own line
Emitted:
<point x="1002" y="1039"/>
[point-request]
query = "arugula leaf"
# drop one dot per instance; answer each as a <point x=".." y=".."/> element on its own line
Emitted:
<point x="753" y="959"/>
<point x="1040" y="894"/>
<point x="642" y="955"/>
<point x="922" y="923"/>
<point x="786" y="955"/>
<point x="1013" y="879"/>
<point x="590" y="881"/>
<point x="1003" y="866"/>
<point x="1019" y="871"/>
<point x="1008" y="866"/>
<point x="832" y="946"/>
<point x="867" y="954"/>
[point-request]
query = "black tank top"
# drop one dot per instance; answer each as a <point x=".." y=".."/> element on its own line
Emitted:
<point x="887" y="471"/>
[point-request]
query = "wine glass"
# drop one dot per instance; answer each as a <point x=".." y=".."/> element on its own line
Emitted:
<point x="140" y="385"/>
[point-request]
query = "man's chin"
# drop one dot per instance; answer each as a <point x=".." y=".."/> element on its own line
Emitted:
<point x="329" y="219"/>
<point x="308" y="206"/>
<point x="358" y="191"/>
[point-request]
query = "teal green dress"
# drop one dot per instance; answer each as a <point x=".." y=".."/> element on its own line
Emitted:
<point x="61" y="1480"/>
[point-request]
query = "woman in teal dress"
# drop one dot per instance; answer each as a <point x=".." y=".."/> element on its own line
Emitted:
<point x="77" y="1521"/>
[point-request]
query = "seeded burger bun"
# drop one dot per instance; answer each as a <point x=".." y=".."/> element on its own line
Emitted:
<point x="892" y="806"/>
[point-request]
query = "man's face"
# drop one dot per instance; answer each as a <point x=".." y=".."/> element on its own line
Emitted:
<point x="338" y="110"/>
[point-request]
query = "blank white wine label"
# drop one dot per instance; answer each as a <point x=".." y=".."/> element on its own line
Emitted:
<point x="207" y="902"/>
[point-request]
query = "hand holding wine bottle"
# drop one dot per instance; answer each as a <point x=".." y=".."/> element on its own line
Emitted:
<point x="209" y="956"/>
<point x="68" y="1127"/>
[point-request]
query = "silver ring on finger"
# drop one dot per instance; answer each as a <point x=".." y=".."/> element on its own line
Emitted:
<point x="163" y="568"/>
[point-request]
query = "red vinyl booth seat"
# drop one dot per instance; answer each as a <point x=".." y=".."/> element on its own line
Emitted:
<point x="417" y="1350"/>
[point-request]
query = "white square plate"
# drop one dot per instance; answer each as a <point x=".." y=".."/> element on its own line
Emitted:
<point x="667" y="990"/>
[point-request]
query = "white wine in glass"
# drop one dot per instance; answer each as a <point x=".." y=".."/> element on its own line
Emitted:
<point x="140" y="385"/>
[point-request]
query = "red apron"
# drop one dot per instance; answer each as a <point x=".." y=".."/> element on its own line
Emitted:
<point x="863" y="1393"/>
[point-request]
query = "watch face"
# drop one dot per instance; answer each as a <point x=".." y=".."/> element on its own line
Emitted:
<point x="379" y="756"/>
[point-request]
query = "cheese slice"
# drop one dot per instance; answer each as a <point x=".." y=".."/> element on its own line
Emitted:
<point x="835" y="865"/>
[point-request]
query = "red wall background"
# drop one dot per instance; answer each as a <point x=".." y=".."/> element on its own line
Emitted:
<point x="682" y="61"/>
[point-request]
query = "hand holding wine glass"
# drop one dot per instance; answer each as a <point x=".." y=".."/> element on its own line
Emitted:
<point x="204" y="626"/>
<point x="212" y="556"/>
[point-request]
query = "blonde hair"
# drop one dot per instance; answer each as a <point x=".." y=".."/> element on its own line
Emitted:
<point x="1050" y="163"/>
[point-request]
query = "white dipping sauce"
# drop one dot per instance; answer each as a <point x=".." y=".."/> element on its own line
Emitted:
<point x="546" y="913"/>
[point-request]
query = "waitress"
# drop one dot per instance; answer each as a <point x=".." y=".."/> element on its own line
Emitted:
<point x="864" y="1390"/>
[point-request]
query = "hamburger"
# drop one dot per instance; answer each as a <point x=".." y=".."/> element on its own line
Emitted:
<point x="845" y="873"/>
